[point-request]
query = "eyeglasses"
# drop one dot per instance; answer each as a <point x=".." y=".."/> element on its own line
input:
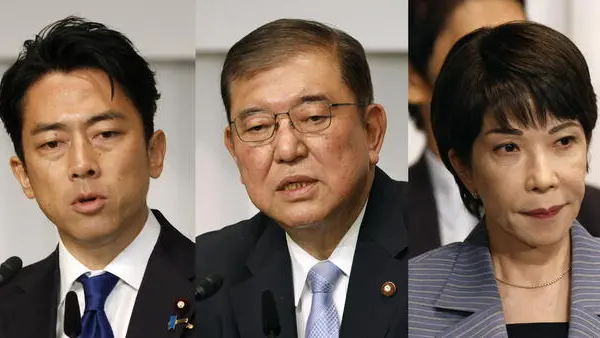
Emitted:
<point x="307" y="117"/>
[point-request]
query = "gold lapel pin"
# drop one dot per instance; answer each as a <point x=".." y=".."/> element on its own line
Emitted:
<point x="388" y="289"/>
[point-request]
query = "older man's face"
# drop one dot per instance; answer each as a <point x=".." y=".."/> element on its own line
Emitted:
<point x="304" y="179"/>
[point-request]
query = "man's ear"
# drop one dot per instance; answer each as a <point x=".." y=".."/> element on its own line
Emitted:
<point x="228" y="135"/>
<point x="20" y="173"/>
<point x="157" y="149"/>
<point x="375" y="125"/>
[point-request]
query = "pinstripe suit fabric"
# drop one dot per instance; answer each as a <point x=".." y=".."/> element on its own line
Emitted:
<point x="453" y="293"/>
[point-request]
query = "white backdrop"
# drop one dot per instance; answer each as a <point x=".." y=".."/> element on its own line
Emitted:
<point x="380" y="25"/>
<point x="24" y="230"/>
<point x="579" y="20"/>
<point x="162" y="30"/>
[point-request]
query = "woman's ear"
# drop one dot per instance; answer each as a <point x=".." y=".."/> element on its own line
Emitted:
<point x="463" y="170"/>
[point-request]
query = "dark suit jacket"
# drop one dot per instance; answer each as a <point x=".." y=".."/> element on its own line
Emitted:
<point x="423" y="227"/>
<point x="252" y="256"/>
<point x="453" y="290"/>
<point x="29" y="302"/>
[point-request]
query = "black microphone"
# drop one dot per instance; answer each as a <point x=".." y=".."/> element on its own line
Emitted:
<point x="9" y="269"/>
<point x="208" y="286"/>
<point x="72" y="323"/>
<point x="270" y="317"/>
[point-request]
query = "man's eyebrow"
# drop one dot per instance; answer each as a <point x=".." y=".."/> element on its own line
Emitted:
<point x="303" y="99"/>
<point x="313" y="98"/>
<point x="249" y="111"/>
<point x="105" y="116"/>
<point x="41" y="127"/>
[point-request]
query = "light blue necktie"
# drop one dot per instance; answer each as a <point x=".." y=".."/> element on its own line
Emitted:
<point x="94" y="323"/>
<point x="323" y="321"/>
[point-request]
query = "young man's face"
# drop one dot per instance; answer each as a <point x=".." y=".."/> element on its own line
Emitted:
<point x="86" y="161"/>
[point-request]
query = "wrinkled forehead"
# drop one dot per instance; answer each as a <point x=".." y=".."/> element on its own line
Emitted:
<point x="286" y="83"/>
<point x="258" y="65"/>
<point x="74" y="97"/>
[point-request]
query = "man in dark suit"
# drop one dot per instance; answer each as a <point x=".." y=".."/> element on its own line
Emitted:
<point x="79" y="105"/>
<point x="329" y="243"/>
<point x="434" y="27"/>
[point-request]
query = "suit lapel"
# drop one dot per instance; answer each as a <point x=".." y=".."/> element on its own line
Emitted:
<point x="423" y="227"/>
<point x="168" y="277"/>
<point x="585" y="298"/>
<point x="471" y="289"/>
<point x="381" y="242"/>
<point x="485" y="322"/>
<point x="33" y="303"/>
<point x="470" y="293"/>
<point x="271" y="269"/>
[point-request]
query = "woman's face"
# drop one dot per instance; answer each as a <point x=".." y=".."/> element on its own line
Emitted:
<point x="531" y="180"/>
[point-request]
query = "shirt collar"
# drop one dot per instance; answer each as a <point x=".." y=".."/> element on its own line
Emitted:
<point x="129" y="265"/>
<point x="342" y="256"/>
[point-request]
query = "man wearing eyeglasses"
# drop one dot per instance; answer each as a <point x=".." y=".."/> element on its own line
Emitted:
<point x="329" y="243"/>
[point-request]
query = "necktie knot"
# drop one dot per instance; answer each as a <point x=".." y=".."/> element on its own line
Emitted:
<point x="323" y="321"/>
<point x="323" y="276"/>
<point x="96" y="289"/>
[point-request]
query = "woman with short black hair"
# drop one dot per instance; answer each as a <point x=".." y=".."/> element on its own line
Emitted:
<point x="512" y="112"/>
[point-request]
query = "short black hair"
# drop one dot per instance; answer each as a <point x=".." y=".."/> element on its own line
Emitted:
<point x="522" y="72"/>
<point x="70" y="44"/>
<point x="426" y="20"/>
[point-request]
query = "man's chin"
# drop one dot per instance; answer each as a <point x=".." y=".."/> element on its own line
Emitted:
<point x="303" y="226"/>
<point x="92" y="234"/>
<point x="301" y="222"/>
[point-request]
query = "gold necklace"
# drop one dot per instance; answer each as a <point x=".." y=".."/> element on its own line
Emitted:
<point x="537" y="286"/>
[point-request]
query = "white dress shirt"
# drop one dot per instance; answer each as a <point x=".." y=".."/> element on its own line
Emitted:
<point x="455" y="221"/>
<point x="129" y="266"/>
<point x="302" y="262"/>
